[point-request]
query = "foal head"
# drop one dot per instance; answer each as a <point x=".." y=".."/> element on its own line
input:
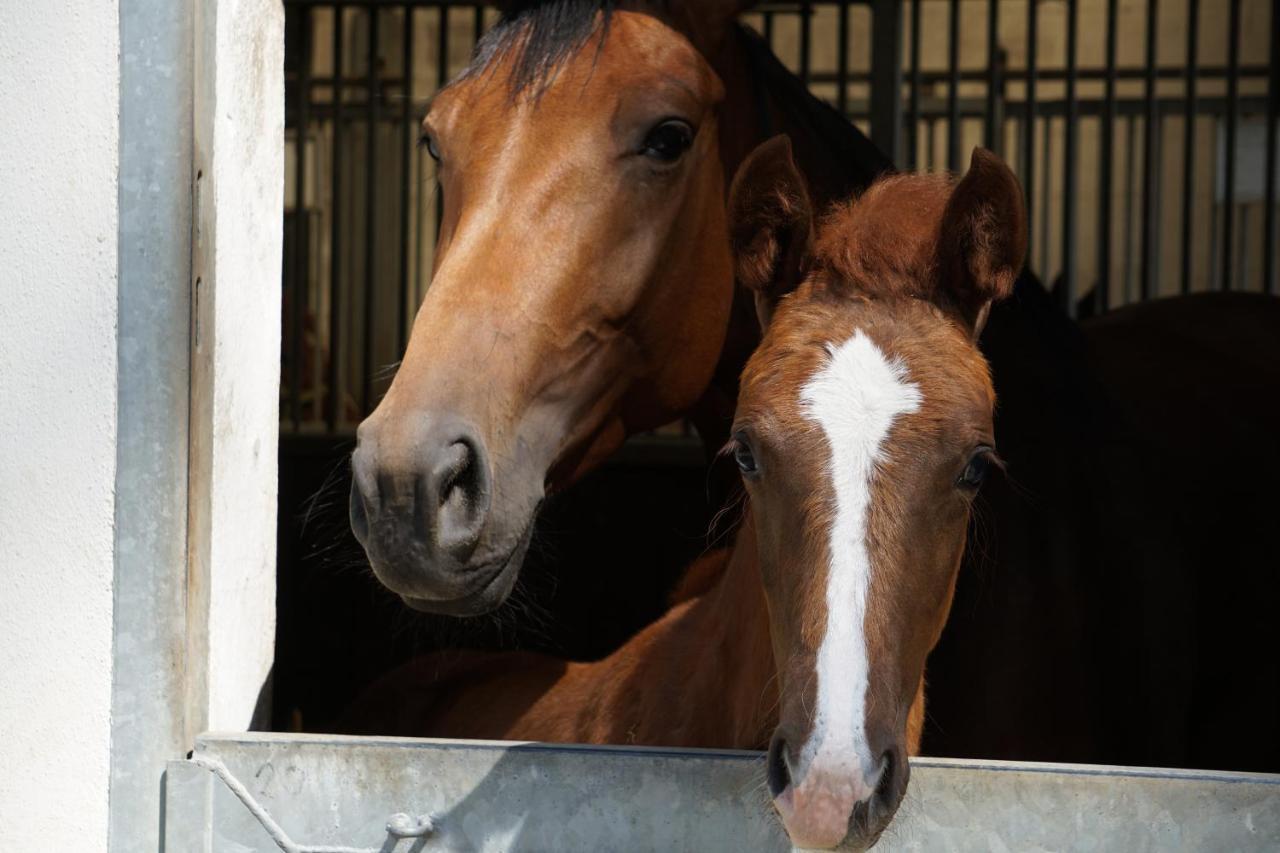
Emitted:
<point x="581" y="290"/>
<point x="864" y="430"/>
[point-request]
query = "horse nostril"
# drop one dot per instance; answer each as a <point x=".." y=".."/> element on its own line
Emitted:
<point x="462" y="495"/>
<point x="776" y="769"/>
<point x="364" y="492"/>
<point x="359" y="514"/>
<point x="460" y="478"/>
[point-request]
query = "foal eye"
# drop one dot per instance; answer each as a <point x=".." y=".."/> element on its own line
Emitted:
<point x="666" y="142"/>
<point x="428" y="142"/>
<point x="743" y="456"/>
<point x="976" y="469"/>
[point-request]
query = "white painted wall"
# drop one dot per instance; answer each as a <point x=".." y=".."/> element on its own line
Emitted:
<point x="58" y="248"/>
<point x="101" y="576"/>
<point x="239" y="139"/>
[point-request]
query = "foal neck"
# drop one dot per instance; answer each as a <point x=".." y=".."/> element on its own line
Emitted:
<point x="731" y="673"/>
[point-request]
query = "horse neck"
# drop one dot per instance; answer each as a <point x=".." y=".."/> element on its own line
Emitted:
<point x="763" y="98"/>
<point x="730" y="674"/>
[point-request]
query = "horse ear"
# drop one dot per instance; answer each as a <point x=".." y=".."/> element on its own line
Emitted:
<point x="984" y="238"/>
<point x="770" y="220"/>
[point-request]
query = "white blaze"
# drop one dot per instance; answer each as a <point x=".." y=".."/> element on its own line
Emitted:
<point x="855" y="398"/>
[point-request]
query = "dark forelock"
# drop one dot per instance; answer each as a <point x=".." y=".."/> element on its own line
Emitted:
<point x="539" y="37"/>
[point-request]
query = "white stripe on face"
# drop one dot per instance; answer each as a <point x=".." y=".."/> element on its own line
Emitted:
<point x="855" y="398"/>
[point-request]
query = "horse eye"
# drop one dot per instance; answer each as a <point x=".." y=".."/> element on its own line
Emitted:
<point x="428" y="142"/>
<point x="743" y="456"/>
<point x="668" y="141"/>
<point x="976" y="469"/>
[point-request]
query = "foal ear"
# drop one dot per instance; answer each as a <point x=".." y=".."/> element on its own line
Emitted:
<point x="984" y="238"/>
<point x="770" y="220"/>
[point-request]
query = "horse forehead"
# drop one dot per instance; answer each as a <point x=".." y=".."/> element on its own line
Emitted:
<point x="639" y="52"/>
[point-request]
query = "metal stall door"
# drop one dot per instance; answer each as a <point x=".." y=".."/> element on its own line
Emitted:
<point x="328" y="794"/>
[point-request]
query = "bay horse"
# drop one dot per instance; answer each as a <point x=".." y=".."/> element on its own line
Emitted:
<point x="863" y="432"/>
<point x="582" y="290"/>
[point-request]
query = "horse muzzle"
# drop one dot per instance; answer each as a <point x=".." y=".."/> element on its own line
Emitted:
<point x="423" y="508"/>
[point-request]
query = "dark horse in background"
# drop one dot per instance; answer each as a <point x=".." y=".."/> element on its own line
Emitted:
<point x="582" y="293"/>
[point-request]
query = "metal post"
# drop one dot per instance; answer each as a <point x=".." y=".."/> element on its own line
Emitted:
<point x="842" y="61"/>
<point x="298" y="316"/>
<point x="886" y="77"/>
<point x="373" y="93"/>
<point x="333" y="404"/>
<point x="806" y="36"/>
<point x="913" y="106"/>
<point x="953" y="87"/>
<point x="1106" y="174"/>
<point x="1188" y="140"/>
<point x="1233" y="109"/>
<point x="1029" y="121"/>
<point x="1151" y="167"/>
<point x="1269" y="194"/>
<point x="995" y="84"/>
<point x="406" y="152"/>
<point x="442" y="75"/>
<point x="1069" y="178"/>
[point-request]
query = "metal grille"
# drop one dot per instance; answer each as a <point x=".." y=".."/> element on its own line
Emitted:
<point x="1144" y="135"/>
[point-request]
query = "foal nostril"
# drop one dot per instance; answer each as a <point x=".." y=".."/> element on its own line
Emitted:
<point x="777" y="772"/>
<point x="893" y="780"/>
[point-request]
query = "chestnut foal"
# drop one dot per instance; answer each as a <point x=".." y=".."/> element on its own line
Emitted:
<point x="863" y="431"/>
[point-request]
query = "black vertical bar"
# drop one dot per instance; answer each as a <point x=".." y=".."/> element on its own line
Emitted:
<point x="301" y="291"/>
<point x="1269" y="193"/>
<point x="406" y="153"/>
<point x="1151" y="132"/>
<point x="1069" y="177"/>
<point x="1233" y="106"/>
<point x="806" y="36"/>
<point x="1106" y="172"/>
<point x="913" y="120"/>
<point x="842" y="61"/>
<point x="886" y="77"/>
<point x="991" y="132"/>
<point x="477" y="26"/>
<point x="333" y="403"/>
<point x="953" y="87"/>
<point x="442" y="74"/>
<point x="768" y="28"/>
<point x="1046" y="188"/>
<point x="1029" y="121"/>
<point x="1188" y="140"/>
<point x="1131" y="192"/>
<point x="930" y="149"/>
<point x="370" y="211"/>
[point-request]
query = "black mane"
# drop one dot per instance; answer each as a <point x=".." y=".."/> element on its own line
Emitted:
<point x="542" y="35"/>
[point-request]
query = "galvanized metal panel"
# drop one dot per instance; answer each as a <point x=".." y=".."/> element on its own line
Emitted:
<point x="149" y="723"/>
<point x="334" y="791"/>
